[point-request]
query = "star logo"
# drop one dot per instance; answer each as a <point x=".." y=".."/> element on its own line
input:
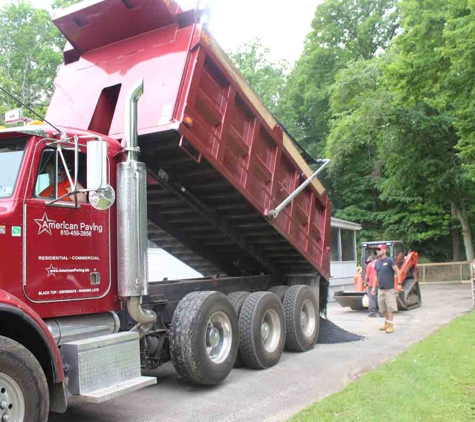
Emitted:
<point x="51" y="271"/>
<point x="43" y="224"/>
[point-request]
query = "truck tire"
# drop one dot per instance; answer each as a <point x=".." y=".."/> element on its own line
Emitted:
<point x="261" y="330"/>
<point x="302" y="321"/>
<point x="204" y="337"/>
<point x="24" y="394"/>
<point x="279" y="291"/>
<point x="237" y="299"/>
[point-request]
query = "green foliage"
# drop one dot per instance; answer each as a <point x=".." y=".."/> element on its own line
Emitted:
<point x="394" y="139"/>
<point x="62" y="4"/>
<point x="30" y="51"/>
<point x="361" y="112"/>
<point x="426" y="156"/>
<point x="459" y="51"/>
<point x="266" y="78"/>
<point x="342" y="31"/>
<point x="356" y="28"/>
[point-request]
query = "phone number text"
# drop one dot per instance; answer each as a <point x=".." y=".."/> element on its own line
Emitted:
<point x="76" y="233"/>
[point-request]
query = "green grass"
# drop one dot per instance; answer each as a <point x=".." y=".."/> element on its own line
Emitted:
<point x="433" y="381"/>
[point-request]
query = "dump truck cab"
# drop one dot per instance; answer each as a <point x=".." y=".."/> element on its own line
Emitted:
<point x="47" y="248"/>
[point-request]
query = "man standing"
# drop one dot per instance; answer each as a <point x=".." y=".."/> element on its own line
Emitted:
<point x="385" y="269"/>
<point x="368" y="284"/>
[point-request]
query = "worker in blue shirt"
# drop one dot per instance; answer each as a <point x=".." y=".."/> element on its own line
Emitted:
<point x="386" y="268"/>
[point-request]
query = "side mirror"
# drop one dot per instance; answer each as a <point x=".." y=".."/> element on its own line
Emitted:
<point x="102" y="199"/>
<point x="101" y="194"/>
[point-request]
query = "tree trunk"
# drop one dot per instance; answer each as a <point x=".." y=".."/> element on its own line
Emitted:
<point x="25" y="72"/>
<point x="467" y="237"/>
<point x="456" y="250"/>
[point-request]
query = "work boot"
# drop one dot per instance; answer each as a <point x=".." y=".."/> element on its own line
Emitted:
<point x="385" y="326"/>
<point x="390" y="329"/>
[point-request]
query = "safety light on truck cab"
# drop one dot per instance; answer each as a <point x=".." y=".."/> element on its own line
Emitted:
<point x="14" y="116"/>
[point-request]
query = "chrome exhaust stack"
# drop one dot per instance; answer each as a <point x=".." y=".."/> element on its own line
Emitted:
<point x="132" y="235"/>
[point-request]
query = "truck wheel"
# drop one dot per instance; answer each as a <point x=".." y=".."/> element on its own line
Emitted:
<point x="302" y="321"/>
<point x="237" y="300"/>
<point x="204" y="337"/>
<point x="279" y="291"/>
<point x="261" y="330"/>
<point x="24" y="394"/>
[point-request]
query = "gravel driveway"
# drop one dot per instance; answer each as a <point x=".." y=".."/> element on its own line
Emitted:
<point x="296" y="382"/>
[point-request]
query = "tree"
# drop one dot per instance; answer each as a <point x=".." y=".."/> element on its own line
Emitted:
<point x="429" y="76"/>
<point x="62" y="4"/>
<point x="390" y="162"/>
<point x="393" y="138"/>
<point x="342" y="31"/>
<point x="360" y="111"/>
<point x="459" y="81"/>
<point x="30" y="51"/>
<point x="420" y="171"/>
<point x="267" y="78"/>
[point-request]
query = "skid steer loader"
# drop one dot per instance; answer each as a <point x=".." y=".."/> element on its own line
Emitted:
<point x="409" y="298"/>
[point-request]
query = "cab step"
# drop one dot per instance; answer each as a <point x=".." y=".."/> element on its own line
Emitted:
<point x="117" y="390"/>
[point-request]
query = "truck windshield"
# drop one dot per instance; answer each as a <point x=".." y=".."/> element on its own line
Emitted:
<point x="11" y="154"/>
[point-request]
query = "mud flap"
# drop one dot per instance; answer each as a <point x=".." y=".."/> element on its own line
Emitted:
<point x="58" y="398"/>
<point x="323" y="299"/>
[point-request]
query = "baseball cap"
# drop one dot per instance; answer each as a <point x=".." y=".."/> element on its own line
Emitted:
<point x="381" y="247"/>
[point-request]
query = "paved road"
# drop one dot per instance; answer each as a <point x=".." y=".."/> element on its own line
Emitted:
<point x="296" y="382"/>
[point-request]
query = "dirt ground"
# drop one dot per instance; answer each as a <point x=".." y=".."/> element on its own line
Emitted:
<point x="296" y="382"/>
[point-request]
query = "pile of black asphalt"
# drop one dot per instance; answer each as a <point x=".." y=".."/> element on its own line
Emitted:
<point x="331" y="333"/>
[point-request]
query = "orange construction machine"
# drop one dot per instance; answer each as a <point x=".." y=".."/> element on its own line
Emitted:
<point x="408" y="298"/>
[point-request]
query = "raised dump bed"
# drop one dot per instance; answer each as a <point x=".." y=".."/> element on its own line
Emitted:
<point x="218" y="161"/>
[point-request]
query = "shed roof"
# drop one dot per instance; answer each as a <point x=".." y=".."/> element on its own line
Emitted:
<point x="343" y="224"/>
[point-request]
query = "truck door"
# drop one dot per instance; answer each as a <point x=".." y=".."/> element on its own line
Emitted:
<point x="66" y="244"/>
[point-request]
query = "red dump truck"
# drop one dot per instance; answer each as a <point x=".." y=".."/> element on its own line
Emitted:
<point x="152" y="136"/>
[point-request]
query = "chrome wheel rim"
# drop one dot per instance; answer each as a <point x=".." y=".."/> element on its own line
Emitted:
<point x="308" y="319"/>
<point x="270" y="330"/>
<point x="12" y="402"/>
<point x="218" y="337"/>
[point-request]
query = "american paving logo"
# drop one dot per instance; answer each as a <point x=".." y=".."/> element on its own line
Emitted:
<point x="44" y="224"/>
<point x="51" y="271"/>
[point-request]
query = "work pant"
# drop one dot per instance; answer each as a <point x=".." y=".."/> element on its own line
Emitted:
<point x="373" y="301"/>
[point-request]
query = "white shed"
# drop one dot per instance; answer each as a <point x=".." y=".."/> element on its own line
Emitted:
<point x="343" y="254"/>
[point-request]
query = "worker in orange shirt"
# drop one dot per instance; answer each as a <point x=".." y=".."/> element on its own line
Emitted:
<point x="64" y="186"/>
<point x="368" y="283"/>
